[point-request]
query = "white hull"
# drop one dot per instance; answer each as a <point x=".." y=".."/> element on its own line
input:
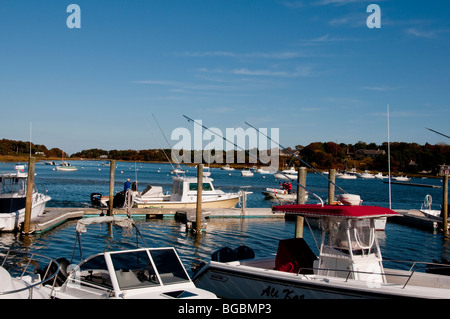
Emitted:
<point x="229" y="202"/>
<point x="11" y="221"/>
<point x="66" y="168"/>
<point x="257" y="279"/>
<point x="285" y="176"/>
<point x="280" y="194"/>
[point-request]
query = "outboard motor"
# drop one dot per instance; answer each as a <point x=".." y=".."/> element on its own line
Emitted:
<point x="96" y="199"/>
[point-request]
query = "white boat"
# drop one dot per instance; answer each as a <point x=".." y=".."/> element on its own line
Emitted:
<point x="281" y="194"/>
<point x="227" y="168"/>
<point x="206" y="172"/>
<point x="184" y="195"/>
<point x="141" y="273"/>
<point x="379" y="175"/>
<point x="21" y="278"/>
<point x="426" y="207"/>
<point x="346" y="176"/>
<point x="349" y="264"/>
<point x="291" y="170"/>
<point x="13" y="192"/>
<point x="66" y="167"/>
<point x="247" y="173"/>
<point x="401" y="178"/>
<point x="263" y="171"/>
<point x="285" y="176"/>
<point x="366" y="175"/>
<point x="178" y="170"/>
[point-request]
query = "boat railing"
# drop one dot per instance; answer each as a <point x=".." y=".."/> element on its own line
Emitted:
<point x="21" y="263"/>
<point x="412" y="270"/>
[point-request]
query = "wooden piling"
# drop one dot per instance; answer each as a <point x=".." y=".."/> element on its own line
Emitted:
<point x="198" y="212"/>
<point x="301" y="180"/>
<point x="112" y="171"/>
<point x="29" y="195"/>
<point x="301" y="193"/>
<point x="331" y="182"/>
<point x="445" y="206"/>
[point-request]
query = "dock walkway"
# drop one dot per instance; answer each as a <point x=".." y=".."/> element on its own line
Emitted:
<point x="55" y="216"/>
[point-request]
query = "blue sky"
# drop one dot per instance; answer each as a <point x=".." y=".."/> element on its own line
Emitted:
<point x="313" y="69"/>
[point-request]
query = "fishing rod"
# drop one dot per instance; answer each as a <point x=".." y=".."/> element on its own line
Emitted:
<point x="160" y="147"/>
<point x="297" y="157"/>
<point x="250" y="154"/>
<point x="437" y="132"/>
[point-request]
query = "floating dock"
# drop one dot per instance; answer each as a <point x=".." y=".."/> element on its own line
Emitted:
<point x="55" y="216"/>
<point x="415" y="218"/>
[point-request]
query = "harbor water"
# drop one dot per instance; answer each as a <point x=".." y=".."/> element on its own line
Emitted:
<point x="73" y="189"/>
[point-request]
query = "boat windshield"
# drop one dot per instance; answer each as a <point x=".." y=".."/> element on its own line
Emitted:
<point x="134" y="270"/>
<point x="350" y="235"/>
<point x="169" y="266"/>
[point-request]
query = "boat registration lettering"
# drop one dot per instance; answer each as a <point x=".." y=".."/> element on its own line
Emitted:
<point x="285" y="293"/>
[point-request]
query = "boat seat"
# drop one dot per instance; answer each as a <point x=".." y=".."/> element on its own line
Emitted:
<point x="127" y="278"/>
<point x="294" y="255"/>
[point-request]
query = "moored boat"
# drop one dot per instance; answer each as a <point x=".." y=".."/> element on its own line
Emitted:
<point x="183" y="195"/>
<point x="349" y="264"/>
<point x="140" y="273"/>
<point x="13" y="192"/>
<point x="21" y="276"/>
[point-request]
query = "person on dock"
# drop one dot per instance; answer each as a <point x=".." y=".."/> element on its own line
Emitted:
<point x="289" y="188"/>
<point x="126" y="185"/>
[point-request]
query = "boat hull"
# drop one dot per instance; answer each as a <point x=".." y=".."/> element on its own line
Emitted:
<point x="11" y="221"/>
<point x="234" y="280"/>
<point x="219" y="203"/>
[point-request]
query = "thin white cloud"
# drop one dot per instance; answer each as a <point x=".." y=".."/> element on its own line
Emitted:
<point x="252" y="55"/>
<point x="377" y="88"/>
<point x="428" y="34"/>
<point x="303" y="71"/>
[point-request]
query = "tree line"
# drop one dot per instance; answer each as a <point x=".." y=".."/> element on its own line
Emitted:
<point x="405" y="157"/>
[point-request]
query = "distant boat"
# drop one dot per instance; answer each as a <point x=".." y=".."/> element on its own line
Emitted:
<point x="206" y="172"/>
<point x="290" y="171"/>
<point x="263" y="171"/>
<point x="227" y="168"/>
<point x="66" y="167"/>
<point x="178" y="170"/>
<point x="366" y="175"/>
<point x="379" y="175"/>
<point x="285" y="176"/>
<point x="346" y="176"/>
<point x="401" y="178"/>
<point x="247" y="173"/>
<point x="281" y="194"/>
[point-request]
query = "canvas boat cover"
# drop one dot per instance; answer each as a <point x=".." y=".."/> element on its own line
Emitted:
<point x="345" y="211"/>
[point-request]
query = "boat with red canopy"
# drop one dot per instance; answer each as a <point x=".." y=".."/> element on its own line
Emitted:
<point x="349" y="263"/>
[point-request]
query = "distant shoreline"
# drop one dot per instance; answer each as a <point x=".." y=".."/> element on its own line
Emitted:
<point x="25" y="159"/>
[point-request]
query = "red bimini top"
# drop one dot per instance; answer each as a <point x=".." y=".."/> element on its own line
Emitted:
<point x="345" y="211"/>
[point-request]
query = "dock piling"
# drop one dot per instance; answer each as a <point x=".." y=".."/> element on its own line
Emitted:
<point x="301" y="193"/>
<point x="112" y="170"/>
<point x="29" y="195"/>
<point x="445" y="206"/>
<point x="198" y="213"/>
<point x="331" y="183"/>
